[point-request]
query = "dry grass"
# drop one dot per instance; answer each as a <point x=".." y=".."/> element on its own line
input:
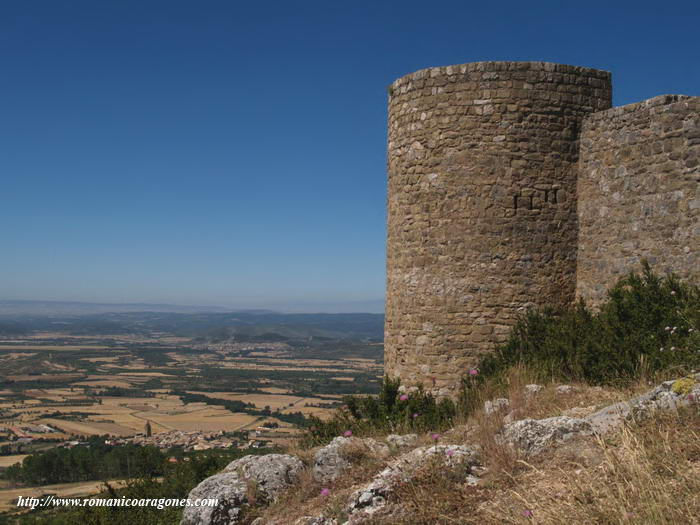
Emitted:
<point x="305" y="498"/>
<point x="6" y="461"/>
<point x="646" y="474"/>
<point x="436" y="495"/>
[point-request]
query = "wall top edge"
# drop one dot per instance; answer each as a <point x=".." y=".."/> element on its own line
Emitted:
<point x="654" y="102"/>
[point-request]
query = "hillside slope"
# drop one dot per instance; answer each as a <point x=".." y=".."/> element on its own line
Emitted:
<point x="546" y="454"/>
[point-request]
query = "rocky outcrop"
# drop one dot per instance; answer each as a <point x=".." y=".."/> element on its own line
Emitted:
<point x="532" y="436"/>
<point x="496" y="405"/>
<point x="331" y="460"/>
<point x="669" y="395"/>
<point x="402" y="441"/>
<point x="272" y="473"/>
<point x="373" y="496"/>
<point x="315" y="520"/>
<point x="268" y="475"/>
<point x="565" y="389"/>
<point x="533" y="389"/>
<point x="228" y="489"/>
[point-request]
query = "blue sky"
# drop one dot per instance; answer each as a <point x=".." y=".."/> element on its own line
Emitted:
<point x="230" y="153"/>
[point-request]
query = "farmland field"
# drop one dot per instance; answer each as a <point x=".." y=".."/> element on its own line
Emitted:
<point x="8" y="496"/>
<point x="114" y="384"/>
<point x="66" y="382"/>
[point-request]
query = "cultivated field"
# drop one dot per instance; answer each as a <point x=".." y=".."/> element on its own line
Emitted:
<point x="8" y="496"/>
<point x="115" y="384"/>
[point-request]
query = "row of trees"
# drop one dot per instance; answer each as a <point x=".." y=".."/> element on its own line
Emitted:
<point x="295" y="418"/>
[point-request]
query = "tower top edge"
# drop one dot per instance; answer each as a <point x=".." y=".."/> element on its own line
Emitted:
<point x="501" y="66"/>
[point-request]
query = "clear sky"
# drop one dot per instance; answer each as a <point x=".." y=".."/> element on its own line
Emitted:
<point x="231" y="153"/>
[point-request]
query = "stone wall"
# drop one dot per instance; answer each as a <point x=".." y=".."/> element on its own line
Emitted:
<point x="482" y="207"/>
<point x="638" y="192"/>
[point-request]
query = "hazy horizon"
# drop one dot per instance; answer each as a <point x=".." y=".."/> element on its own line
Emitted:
<point x="31" y="306"/>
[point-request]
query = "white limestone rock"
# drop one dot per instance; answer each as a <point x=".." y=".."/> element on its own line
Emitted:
<point x="532" y="436"/>
<point x="330" y="462"/>
<point x="496" y="405"/>
<point x="271" y="473"/>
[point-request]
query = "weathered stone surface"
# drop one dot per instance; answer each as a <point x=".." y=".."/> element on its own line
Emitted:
<point x="533" y="389"/>
<point x="481" y="209"/>
<point x="315" y="520"/>
<point x="229" y="489"/>
<point x="511" y="185"/>
<point x="372" y="497"/>
<point x="401" y="441"/>
<point x="638" y="192"/>
<point x="271" y="474"/>
<point x="662" y="397"/>
<point x="532" y="436"/>
<point x="496" y="405"/>
<point x="565" y="389"/>
<point x="330" y="461"/>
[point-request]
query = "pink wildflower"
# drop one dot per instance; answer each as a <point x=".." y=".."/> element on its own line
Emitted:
<point x="325" y="492"/>
<point x="450" y="452"/>
<point x="403" y="397"/>
<point x="415" y="415"/>
<point x="347" y="433"/>
<point x="528" y="513"/>
<point x="473" y="372"/>
<point x="435" y="436"/>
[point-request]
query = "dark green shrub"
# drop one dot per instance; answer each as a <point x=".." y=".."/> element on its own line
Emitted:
<point x="385" y="413"/>
<point x="646" y="325"/>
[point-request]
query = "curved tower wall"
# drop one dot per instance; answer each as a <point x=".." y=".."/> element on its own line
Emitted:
<point x="481" y="207"/>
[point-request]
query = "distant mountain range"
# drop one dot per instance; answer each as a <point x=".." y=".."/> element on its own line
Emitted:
<point x="24" y="307"/>
<point x="23" y="317"/>
<point x="14" y="308"/>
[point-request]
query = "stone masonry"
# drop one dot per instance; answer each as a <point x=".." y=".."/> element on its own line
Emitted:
<point x="638" y="192"/>
<point x="484" y="160"/>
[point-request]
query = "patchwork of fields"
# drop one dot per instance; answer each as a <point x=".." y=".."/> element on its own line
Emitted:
<point x="114" y="384"/>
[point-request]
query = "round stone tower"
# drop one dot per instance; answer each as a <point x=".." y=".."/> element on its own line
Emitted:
<point x="481" y="207"/>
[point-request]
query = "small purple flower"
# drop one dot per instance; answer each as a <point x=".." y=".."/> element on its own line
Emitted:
<point x="528" y="513"/>
<point x="435" y="436"/>
<point x="691" y="397"/>
<point x="347" y="433"/>
<point x="415" y="415"/>
<point x="473" y="372"/>
<point x="325" y="492"/>
<point x="403" y="397"/>
<point x="450" y="452"/>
